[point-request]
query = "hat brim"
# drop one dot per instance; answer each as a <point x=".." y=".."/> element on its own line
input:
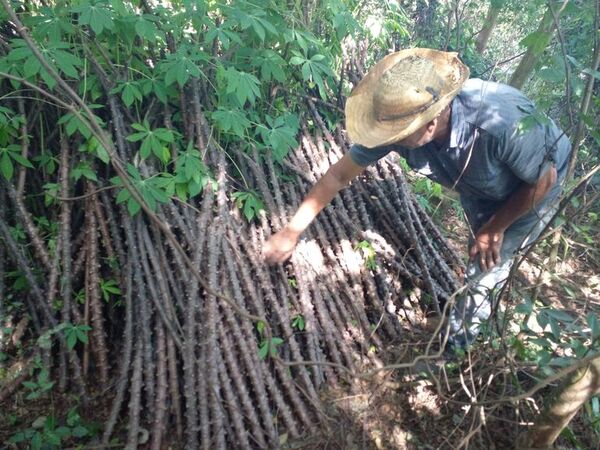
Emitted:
<point x="361" y="122"/>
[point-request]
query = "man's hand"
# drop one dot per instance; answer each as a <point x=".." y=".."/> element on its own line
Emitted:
<point x="487" y="246"/>
<point x="280" y="246"/>
<point x="488" y="240"/>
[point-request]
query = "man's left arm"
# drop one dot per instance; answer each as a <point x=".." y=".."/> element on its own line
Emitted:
<point x="488" y="240"/>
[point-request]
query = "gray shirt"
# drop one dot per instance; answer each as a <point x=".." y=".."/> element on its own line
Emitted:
<point x="488" y="155"/>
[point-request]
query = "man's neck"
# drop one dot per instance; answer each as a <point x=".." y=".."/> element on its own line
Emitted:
<point x="444" y="125"/>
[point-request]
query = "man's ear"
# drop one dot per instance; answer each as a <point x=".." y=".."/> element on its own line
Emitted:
<point x="432" y="124"/>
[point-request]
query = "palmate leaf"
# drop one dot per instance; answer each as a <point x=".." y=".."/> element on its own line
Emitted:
<point x="231" y="120"/>
<point x="97" y="15"/>
<point x="264" y="347"/>
<point x="130" y="93"/>
<point x="250" y="204"/>
<point x="301" y="38"/>
<point x="67" y="62"/>
<point x="83" y="169"/>
<point x="313" y="69"/>
<point x="244" y="86"/>
<point x="345" y="24"/>
<point x="280" y="134"/>
<point x="182" y="65"/>
<point x="145" y="27"/>
<point x="50" y="24"/>
<point x="157" y="86"/>
<point x="21" y="61"/>
<point x="224" y="35"/>
<point x="153" y="141"/>
<point x="270" y="65"/>
<point x="151" y="189"/>
<point x="255" y="20"/>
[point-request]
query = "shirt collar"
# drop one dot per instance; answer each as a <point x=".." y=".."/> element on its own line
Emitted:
<point x="457" y="121"/>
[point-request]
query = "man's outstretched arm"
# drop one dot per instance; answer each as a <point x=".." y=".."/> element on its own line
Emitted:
<point x="281" y="245"/>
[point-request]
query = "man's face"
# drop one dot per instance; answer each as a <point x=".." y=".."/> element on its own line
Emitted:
<point x="421" y="137"/>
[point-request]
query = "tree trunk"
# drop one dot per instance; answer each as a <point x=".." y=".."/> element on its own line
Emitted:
<point x="490" y="22"/>
<point x="525" y="67"/>
<point x="583" y="385"/>
<point x="425" y="14"/>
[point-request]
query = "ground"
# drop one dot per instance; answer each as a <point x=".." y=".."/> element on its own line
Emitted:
<point x="403" y="409"/>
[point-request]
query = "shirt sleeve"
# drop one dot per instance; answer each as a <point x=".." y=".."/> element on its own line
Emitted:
<point x="364" y="156"/>
<point x="529" y="154"/>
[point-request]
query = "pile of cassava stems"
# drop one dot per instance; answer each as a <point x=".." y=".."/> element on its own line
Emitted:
<point x="168" y="360"/>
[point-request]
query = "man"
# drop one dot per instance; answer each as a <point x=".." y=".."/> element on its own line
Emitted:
<point x="466" y="134"/>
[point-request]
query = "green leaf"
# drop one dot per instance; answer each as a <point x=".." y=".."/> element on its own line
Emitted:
<point x="263" y="350"/>
<point x="135" y="137"/>
<point x="264" y="347"/>
<point x="67" y="63"/>
<point x="130" y="93"/>
<point x="592" y="321"/>
<point x="297" y="60"/>
<point x="31" y="67"/>
<point x="244" y="86"/>
<point x="36" y="441"/>
<point x="231" y="120"/>
<point x="71" y="339"/>
<point x="133" y="206"/>
<point x="536" y="41"/>
<point x="592" y="73"/>
<point x="99" y="150"/>
<point x="250" y="203"/>
<point x="30" y="384"/>
<point x="82" y="336"/>
<point x="83" y="169"/>
<point x="164" y="134"/>
<point x="97" y="16"/>
<point x="542" y="320"/>
<point x="79" y="431"/>
<point x="21" y="160"/>
<point x="146" y="29"/>
<point x="555" y="328"/>
<point x="280" y="135"/>
<point x="224" y="35"/>
<point x="63" y="432"/>
<point x="551" y="74"/>
<point x="73" y="124"/>
<point x="52" y="438"/>
<point x="271" y="66"/>
<point x="559" y="315"/>
<point x="122" y="196"/>
<point x="6" y="166"/>
<point x="524" y="308"/>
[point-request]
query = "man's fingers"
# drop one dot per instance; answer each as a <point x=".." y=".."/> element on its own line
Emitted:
<point x="497" y="259"/>
<point x="473" y="251"/>
<point x="482" y="263"/>
<point x="276" y="256"/>
<point x="489" y="256"/>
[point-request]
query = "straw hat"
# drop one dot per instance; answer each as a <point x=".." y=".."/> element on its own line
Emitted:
<point x="401" y="93"/>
